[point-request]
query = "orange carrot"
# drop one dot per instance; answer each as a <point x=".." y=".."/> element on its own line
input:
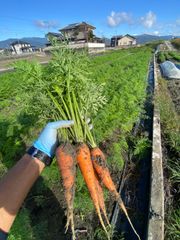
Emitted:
<point x="101" y="198"/>
<point x="86" y="167"/>
<point x="99" y="163"/>
<point x="65" y="155"/>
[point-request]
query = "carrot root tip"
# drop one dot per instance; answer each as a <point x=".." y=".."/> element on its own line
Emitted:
<point x="70" y="222"/>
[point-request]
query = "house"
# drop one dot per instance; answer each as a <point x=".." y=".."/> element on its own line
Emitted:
<point x="78" y="36"/>
<point x="78" y="32"/>
<point x="53" y="36"/>
<point x="19" y="47"/>
<point x="126" y="40"/>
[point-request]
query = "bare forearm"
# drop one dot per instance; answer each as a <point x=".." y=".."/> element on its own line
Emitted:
<point x="15" y="186"/>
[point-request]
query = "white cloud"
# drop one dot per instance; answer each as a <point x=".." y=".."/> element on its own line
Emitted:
<point x="148" y="20"/>
<point x="156" y="33"/>
<point x="46" y="24"/>
<point x="117" y="18"/>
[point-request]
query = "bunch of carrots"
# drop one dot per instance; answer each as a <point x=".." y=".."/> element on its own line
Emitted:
<point x="72" y="101"/>
<point x="66" y="85"/>
<point x="93" y="166"/>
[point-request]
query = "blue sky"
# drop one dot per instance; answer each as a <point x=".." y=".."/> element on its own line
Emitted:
<point x="32" y="18"/>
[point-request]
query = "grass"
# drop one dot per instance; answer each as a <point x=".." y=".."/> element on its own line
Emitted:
<point x="21" y="227"/>
<point x="124" y="74"/>
<point x="170" y="122"/>
<point x="173" y="225"/>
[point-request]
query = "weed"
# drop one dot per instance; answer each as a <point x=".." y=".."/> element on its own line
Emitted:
<point x="169" y="118"/>
<point x="170" y="123"/>
<point x="21" y="229"/>
<point x="173" y="225"/>
<point x="141" y="146"/>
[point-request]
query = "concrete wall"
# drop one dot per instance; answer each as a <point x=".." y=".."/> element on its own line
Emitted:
<point x="89" y="45"/>
<point x="156" y="210"/>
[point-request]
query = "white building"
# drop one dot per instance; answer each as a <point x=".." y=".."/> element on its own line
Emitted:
<point x="123" y="41"/>
<point x="19" y="47"/>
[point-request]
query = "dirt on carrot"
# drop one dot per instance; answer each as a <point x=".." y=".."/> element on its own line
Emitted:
<point x="65" y="156"/>
<point x="100" y="166"/>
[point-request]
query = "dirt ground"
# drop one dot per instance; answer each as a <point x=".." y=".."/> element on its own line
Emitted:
<point x="40" y="57"/>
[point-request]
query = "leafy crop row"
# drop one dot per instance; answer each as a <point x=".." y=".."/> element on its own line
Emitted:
<point x="125" y="80"/>
<point x="163" y="56"/>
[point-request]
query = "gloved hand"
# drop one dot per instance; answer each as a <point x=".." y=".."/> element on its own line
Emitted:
<point x="47" y="141"/>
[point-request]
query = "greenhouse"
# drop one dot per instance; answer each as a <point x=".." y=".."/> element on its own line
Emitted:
<point x="169" y="70"/>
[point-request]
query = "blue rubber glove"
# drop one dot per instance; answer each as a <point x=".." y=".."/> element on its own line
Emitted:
<point x="47" y="141"/>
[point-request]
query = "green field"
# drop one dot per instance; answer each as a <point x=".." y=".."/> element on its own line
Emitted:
<point x="123" y="74"/>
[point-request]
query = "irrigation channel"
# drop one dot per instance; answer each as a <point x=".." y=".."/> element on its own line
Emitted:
<point x="135" y="183"/>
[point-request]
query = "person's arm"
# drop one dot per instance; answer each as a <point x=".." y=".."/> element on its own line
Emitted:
<point x="15" y="186"/>
<point x="17" y="182"/>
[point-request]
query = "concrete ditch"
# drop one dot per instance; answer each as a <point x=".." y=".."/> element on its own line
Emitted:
<point x="156" y="209"/>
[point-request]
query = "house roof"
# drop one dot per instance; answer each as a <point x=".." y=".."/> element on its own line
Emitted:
<point x="121" y="36"/>
<point x="75" y="25"/>
<point x="127" y="35"/>
<point x="117" y="36"/>
<point x="54" y="34"/>
<point x="19" y="42"/>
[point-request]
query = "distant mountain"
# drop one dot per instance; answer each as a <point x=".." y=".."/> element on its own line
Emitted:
<point x="34" y="41"/>
<point x="145" y="38"/>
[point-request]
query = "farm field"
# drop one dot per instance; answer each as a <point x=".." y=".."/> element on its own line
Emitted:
<point x="123" y="74"/>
